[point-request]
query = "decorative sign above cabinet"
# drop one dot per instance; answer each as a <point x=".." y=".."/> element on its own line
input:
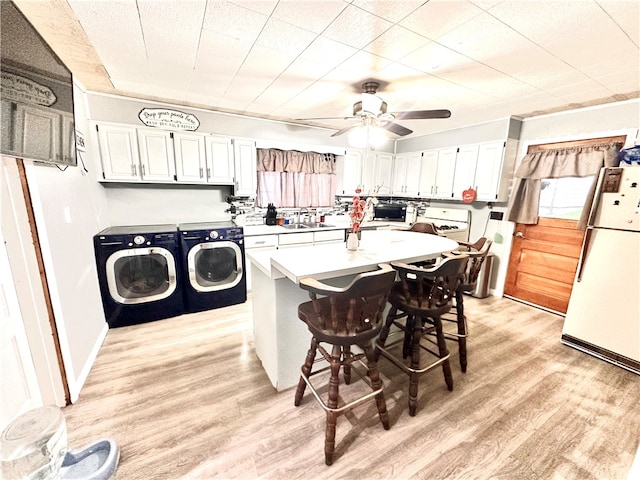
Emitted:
<point x="22" y="89"/>
<point x="170" y="119"/>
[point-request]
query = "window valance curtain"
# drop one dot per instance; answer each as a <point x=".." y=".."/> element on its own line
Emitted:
<point x="556" y="163"/>
<point x="289" y="178"/>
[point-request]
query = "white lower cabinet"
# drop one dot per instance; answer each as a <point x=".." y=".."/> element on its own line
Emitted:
<point x="259" y="242"/>
<point x="295" y="239"/>
<point x="328" y="236"/>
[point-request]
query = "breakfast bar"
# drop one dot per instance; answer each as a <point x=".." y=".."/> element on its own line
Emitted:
<point x="281" y="339"/>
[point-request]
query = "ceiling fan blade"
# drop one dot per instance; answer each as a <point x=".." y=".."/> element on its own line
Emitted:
<point x="344" y="130"/>
<point x="397" y="129"/>
<point x="326" y="118"/>
<point x="422" y="114"/>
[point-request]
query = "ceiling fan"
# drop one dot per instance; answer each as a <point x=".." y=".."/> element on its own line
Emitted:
<point x="371" y="110"/>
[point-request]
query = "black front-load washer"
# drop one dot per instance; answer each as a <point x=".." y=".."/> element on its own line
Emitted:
<point x="213" y="265"/>
<point x="139" y="273"/>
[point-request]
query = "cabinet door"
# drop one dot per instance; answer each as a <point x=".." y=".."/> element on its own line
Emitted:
<point x="156" y="155"/>
<point x="351" y="172"/>
<point x="246" y="172"/>
<point x="465" y="171"/>
<point x="190" y="157"/>
<point x="428" y="169"/>
<point x="412" y="174"/>
<point x="406" y="174"/>
<point x="444" y="172"/>
<point x="37" y="133"/>
<point x="219" y="159"/>
<point x="489" y="170"/>
<point x="118" y="152"/>
<point x="383" y="171"/>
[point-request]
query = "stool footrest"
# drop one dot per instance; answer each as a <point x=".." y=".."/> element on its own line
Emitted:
<point x="347" y="406"/>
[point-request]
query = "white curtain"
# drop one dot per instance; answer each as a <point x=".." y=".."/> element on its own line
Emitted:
<point x="295" y="179"/>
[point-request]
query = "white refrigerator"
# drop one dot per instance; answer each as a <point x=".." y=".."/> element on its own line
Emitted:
<point x="603" y="317"/>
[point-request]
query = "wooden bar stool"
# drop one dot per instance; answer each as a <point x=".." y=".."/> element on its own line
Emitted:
<point x="342" y="318"/>
<point x="420" y="297"/>
<point x="477" y="253"/>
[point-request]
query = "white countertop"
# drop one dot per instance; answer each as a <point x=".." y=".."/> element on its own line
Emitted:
<point x="339" y="223"/>
<point x="334" y="260"/>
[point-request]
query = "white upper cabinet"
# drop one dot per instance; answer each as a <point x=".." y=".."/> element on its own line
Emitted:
<point x="119" y="152"/>
<point x="377" y="168"/>
<point x="445" y="171"/>
<point x="406" y="174"/>
<point x="191" y="163"/>
<point x="489" y="171"/>
<point x="246" y="170"/>
<point x="351" y="172"/>
<point x="428" y="167"/>
<point x="465" y="171"/>
<point x="156" y="155"/>
<point x="219" y="152"/>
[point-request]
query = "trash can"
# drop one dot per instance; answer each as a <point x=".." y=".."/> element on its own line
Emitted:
<point x="484" y="278"/>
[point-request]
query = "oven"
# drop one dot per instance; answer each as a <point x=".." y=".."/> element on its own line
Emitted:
<point x="452" y="223"/>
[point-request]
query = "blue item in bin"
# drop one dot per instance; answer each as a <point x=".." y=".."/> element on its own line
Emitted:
<point x="98" y="461"/>
<point x="629" y="156"/>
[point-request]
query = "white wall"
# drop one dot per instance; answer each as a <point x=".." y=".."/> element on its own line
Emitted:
<point x="620" y="118"/>
<point x="70" y="207"/>
<point x="148" y="204"/>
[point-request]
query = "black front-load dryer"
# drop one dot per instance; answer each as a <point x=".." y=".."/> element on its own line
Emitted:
<point x="139" y="273"/>
<point x="213" y="265"/>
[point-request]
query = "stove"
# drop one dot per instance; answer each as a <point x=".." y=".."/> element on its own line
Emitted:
<point x="452" y="223"/>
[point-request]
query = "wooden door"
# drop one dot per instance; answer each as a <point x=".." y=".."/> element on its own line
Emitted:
<point x="544" y="257"/>
<point x="543" y="262"/>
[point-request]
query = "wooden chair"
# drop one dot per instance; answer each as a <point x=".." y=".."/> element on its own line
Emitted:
<point x="343" y="317"/>
<point x="477" y="253"/>
<point x="424" y="227"/>
<point x="420" y="297"/>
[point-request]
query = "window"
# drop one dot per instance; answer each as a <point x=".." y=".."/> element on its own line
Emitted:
<point x="564" y="197"/>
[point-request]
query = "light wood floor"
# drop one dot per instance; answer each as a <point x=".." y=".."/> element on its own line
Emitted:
<point x="186" y="398"/>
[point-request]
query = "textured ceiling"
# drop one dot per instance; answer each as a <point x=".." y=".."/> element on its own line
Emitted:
<point x="481" y="59"/>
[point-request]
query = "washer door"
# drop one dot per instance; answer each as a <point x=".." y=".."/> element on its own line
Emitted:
<point x="141" y="275"/>
<point x="214" y="266"/>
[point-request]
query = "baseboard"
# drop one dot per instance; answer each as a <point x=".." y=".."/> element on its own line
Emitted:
<point x="602" y="353"/>
<point x="76" y="386"/>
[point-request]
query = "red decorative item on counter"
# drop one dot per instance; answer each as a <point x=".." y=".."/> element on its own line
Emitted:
<point x="469" y="195"/>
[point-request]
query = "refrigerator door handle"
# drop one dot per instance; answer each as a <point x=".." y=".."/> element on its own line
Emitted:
<point x="583" y="253"/>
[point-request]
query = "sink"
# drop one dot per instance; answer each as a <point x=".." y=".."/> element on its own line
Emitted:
<point x="296" y="226"/>
<point x="321" y="225"/>
<point x="300" y="226"/>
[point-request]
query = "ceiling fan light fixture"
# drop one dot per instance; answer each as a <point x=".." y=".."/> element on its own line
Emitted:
<point x="368" y="136"/>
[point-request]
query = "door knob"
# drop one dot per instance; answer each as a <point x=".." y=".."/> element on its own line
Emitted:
<point x="521" y="235"/>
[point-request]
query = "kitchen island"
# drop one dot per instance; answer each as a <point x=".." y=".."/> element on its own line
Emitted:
<point x="281" y="339"/>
